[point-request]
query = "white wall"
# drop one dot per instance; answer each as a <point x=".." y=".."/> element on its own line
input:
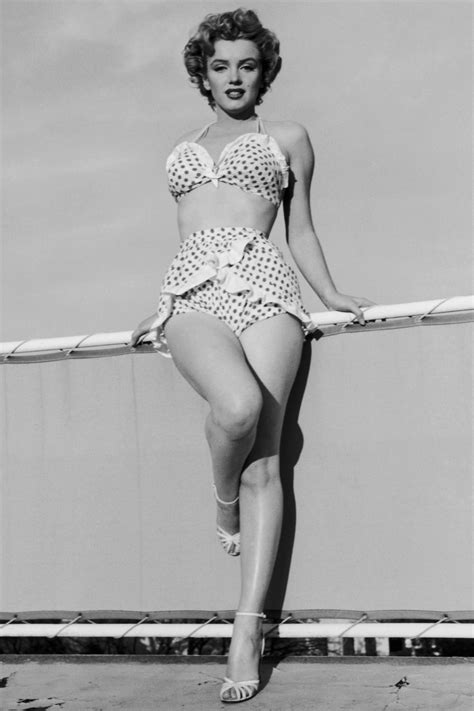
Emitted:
<point x="107" y="498"/>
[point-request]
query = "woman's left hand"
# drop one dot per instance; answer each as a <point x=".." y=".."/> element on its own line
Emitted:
<point x="354" y="304"/>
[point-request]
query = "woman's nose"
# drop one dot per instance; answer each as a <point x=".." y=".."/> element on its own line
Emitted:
<point x="235" y="76"/>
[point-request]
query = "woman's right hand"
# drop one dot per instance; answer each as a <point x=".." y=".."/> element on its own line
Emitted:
<point x="141" y="330"/>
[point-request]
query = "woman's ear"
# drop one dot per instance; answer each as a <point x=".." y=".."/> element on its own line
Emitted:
<point x="206" y="84"/>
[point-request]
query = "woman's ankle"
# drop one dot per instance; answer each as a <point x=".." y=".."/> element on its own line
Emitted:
<point x="230" y="497"/>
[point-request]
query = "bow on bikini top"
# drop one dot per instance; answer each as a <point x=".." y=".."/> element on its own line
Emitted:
<point x="252" y="162"/>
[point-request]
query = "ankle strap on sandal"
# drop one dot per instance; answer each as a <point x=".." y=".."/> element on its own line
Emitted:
<point x="226" y="503"/>
<point x="252" y="614"/>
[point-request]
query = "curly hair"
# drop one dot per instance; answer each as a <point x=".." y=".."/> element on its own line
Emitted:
<point x="239" y="24"/>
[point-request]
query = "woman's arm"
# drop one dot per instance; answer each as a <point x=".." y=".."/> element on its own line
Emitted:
<point x="301" y="235"/>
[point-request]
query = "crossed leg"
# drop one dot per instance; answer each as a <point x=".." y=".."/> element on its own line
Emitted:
<point x="211" y="359"/>
<point x="246" y="383"/>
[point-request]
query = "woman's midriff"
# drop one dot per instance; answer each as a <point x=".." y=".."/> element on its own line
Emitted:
<point x="223" y="206"/>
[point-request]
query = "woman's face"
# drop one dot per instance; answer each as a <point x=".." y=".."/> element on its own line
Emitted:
<point x="234" y="75"/>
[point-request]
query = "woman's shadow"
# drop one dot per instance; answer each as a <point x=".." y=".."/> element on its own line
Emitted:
<point x="291" y="447"/>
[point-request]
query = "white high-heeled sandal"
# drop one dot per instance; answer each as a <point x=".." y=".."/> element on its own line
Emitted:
<point x="230" y="542"/>
<point x="244" y="690"/>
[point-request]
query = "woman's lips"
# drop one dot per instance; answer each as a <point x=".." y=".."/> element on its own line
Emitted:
<point x="235" y="93"/>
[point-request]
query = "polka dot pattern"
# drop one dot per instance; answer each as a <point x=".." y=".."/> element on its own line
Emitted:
<point x="234" y="273"/>
<point x="252" y="162"/>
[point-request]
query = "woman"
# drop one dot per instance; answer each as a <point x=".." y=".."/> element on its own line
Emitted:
<point x="230" y="311"/>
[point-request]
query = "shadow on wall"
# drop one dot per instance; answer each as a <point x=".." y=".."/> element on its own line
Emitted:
<point x="291" y="447"/>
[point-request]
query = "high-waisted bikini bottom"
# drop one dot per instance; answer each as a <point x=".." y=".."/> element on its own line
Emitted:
<point x="234" y="273"/>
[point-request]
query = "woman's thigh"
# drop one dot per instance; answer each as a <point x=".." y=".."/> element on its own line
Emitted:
<point x="273" y="351"/>
<point x="211" y="358"/>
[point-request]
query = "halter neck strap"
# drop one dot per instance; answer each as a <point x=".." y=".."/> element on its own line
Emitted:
<point x="260" y="125"/>
<point x="203" y="131"/>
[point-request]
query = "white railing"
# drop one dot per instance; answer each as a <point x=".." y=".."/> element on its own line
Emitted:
<point x="409" y="630"/>
<point x="457" y="309"/>
<point x="324" y="624"/>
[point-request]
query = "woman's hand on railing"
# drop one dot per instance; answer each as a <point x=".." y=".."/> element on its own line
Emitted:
<point x="354" y="304"/>
<point x="141" y="330"/>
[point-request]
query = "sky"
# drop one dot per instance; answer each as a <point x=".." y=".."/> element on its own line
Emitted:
<point x="94" y="94"/>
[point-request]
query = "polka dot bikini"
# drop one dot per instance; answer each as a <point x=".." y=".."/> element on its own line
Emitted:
<point x="234" y="273"/>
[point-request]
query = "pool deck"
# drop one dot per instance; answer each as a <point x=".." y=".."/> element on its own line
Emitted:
<point x="296" y="684"/>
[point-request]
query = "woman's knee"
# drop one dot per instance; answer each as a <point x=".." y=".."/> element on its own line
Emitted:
<point x="238" y="414"/>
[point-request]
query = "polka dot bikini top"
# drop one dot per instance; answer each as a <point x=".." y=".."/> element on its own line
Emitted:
<point x="252" y="162"/>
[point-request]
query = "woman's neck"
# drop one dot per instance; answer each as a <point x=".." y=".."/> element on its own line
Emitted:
<point x="227" y="121"/>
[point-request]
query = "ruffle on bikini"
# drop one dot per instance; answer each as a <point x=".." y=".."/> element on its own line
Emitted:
<point x="220" y="261"/>
<point x="284" y="167"/>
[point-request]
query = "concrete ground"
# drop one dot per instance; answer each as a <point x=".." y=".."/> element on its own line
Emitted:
<point x="297" y="684"/>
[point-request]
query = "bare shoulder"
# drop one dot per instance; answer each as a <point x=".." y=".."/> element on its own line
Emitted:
<point x="289" y="134"/>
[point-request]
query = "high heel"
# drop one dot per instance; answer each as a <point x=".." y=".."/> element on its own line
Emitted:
<point x="230" y="542"/>
<point x="243" y="690"/>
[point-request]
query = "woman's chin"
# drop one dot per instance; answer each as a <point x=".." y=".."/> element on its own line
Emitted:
<point x="235" y="107"/>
